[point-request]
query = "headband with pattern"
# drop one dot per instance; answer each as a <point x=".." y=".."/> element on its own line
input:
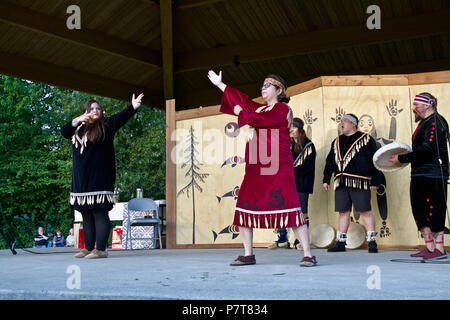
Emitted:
<point x="275" y="82"/>
<point x="423" y="99"/>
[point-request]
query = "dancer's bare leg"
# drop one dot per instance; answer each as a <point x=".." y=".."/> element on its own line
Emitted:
<point x="439" y="240"/>
<point x="247" y="239"/>
<point x="428" y="238"/>
<point x="344" y="221"/>
<point x="302" y="235"/>
<point x="369" y="220"/>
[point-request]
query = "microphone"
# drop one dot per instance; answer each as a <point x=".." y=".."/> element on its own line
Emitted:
<point x="82" y="124"/>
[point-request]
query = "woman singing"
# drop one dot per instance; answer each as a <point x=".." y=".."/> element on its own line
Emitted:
<point x="94" y="171"/>
<point x="268" y="196"/>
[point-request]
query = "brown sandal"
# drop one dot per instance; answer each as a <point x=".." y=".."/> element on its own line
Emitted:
<point x="243" y="260"/>
<point x="308" y="262"/>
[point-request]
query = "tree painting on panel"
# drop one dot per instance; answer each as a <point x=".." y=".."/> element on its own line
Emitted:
<point x="194" y="174"/>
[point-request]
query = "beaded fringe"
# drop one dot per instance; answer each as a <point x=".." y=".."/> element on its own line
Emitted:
<point x="351" y="182"/>
<point x="342" y="162"/>
<point x="91" y="198"/>
<point x="269" y="221"/>
<point x="306" y="152"/>
<point x="76" y="139"/>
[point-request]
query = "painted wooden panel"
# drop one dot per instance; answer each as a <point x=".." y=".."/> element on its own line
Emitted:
<point x="205" y="200"/>
<point x="383" y="112"/>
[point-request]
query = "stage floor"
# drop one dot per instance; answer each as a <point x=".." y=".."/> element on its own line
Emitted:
<point x="205" y="274"/>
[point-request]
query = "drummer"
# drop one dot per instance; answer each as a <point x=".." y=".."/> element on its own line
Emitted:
<point x="429" y="174"/>
<point x="350" y="159"/>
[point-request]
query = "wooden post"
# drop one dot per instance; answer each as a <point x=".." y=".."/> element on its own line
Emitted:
<point x="170" y="176"/>
<point x="167" y="47"/>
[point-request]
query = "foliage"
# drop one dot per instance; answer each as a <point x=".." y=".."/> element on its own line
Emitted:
<point x="36" y="161"/>
<point x="140" y="156"/>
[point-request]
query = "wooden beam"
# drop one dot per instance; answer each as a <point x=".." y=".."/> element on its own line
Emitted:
<point x="323" y="40"/>
<point x="197" y="113"/>
<point x="153" y="3"/>
<point x="183" y="4"/>
<point x="300" y="87"/>
<point x="429" y="77"/>
<point x="419" y="66"/>
<point x="167" y="47"/>
<point x="188" y="4"/>
<point x="171" y="182"/>
<point x="211" y="96"/>
<point x="51" y="26"/>
<point x="44" y="72"/>
<point x="365" y="80"/>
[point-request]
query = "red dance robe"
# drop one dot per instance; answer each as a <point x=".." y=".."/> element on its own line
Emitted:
<point x="268" y="196"/>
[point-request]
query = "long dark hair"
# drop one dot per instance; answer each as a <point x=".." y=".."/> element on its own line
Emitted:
<point x="282" y="96"/>
<point x="95" y="130"/>
<point x="298" y="146"/>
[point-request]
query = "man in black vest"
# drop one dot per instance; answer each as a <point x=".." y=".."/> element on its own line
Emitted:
<point x="350" y="159"/>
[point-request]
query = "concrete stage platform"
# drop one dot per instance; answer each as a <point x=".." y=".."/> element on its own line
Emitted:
<point x="204" y="274"/>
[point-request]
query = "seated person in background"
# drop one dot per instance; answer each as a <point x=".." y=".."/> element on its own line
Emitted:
<point x="40" y="240"/>
<point x="58" y="240"/>
<point x="70" y="240"/>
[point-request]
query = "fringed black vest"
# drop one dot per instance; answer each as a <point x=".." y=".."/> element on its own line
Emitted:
<point x="350" y="159"/>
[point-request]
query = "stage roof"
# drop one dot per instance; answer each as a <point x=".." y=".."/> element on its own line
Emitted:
<point x="165" y="48"/>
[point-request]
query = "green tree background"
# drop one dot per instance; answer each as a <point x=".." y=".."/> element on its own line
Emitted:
<point x="36" y="161"/>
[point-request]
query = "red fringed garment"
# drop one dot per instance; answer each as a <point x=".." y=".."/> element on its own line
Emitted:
<point x="268" y="196"/>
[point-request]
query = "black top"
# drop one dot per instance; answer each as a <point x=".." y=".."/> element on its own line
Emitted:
<point x="351" y="162"/>
<point x="304" y="166"/>
<point x="431" y="132"/>
<point x="41" y="242"/>
<point x="94" y="164"/>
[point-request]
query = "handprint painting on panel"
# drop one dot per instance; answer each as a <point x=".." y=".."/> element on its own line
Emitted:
<point x="339" y="114"/>
<point x="393" y="112"/>
<point x="309" y="120"/>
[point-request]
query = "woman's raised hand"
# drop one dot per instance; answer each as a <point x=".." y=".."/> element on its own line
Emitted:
<point x="216" y="79"/>
<point x="84" y="118"/>
<point x="136" y="102"/>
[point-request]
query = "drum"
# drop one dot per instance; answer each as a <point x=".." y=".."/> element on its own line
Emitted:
<point x="381" y="157"/>
<point x="322" y="235"/>
<point x="356" y="235"/>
